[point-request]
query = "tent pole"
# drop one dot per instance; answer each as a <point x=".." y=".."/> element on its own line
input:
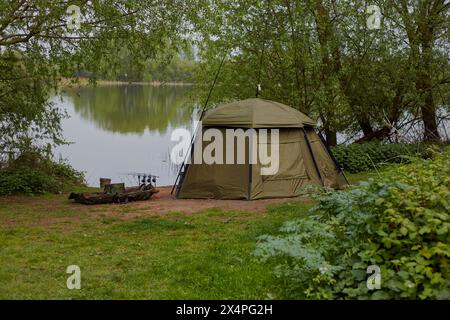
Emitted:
<point x="338" y="167"/>
<point x="258" y="85"/>
<point x="250" y="167"/>
<point x="312" y="156"/>
<point x="250" y="178"/>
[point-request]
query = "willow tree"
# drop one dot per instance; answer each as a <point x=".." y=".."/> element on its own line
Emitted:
<point x="319" y="56"/>
<point x="44" y="40"/>
<point x="426" y="26"/>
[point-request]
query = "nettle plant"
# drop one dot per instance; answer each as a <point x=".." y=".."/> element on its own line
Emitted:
<point x="399" y="222"/>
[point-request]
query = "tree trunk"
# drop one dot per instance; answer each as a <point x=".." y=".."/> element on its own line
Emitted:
<point x="380" y="135"/>
<point x="365" y="126"/>
<point x="425" y="81"/>
<point x="429" y="116"/>
<point x="422" y="36"/>
<point x="330" y="137"/>
<point x="424" y="86"/>
<point x="331" y="63"/>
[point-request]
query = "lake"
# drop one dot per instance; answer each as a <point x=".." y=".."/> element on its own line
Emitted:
<point x="117" y="130"/>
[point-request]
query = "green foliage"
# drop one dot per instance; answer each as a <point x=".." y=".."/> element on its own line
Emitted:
<point x="25" y="111"/>
<point x="38" y="47"/>
<point x="320" y="57"/>
<point x="32" y="173"/>
<point x="367" y="156"/>
<point x="177" y="68"/>
<point x="26" y="181"/>
<point x="399" y="222"/>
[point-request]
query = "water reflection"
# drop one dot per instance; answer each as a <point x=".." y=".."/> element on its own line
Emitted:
<point x="132" y="108"/>
<point x="121" y="129"/>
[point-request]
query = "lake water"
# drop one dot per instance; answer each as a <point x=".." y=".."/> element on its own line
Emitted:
<point x="117" y="130"/>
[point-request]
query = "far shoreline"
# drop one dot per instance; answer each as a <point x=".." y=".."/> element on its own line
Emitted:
<point x="81" y="81"/>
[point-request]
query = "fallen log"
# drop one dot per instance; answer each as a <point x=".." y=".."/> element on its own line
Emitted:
<point x="130" y="194"/>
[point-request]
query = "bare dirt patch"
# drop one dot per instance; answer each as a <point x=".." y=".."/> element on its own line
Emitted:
<point x="59" y="211"/>
<point x="163" y="202"/>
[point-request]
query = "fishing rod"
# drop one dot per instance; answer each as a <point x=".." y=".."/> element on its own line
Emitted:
<point x="261" y="59"/>
<point x="212" y="86"/>
<point x="183" y="165"/>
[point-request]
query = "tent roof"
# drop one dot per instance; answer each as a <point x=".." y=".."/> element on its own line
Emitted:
<point x="256" y="113"/>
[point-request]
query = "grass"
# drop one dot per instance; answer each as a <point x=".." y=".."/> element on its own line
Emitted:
<point x="207" y="255"/>
<point x="354" y="178"/>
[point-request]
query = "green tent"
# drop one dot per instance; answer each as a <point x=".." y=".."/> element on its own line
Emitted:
<point x="303" y="158"/>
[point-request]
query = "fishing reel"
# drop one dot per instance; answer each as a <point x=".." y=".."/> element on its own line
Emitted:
<point x="146" y="179"/>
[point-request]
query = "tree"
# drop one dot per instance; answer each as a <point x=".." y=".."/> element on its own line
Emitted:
<point x="41" y="41"/>
<point x="426" y="25"/>
<point x="321" y="57"/>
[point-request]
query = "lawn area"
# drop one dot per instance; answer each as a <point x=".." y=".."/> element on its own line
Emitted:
<point x="124" y="253"/>
<point x="206" y="255"/>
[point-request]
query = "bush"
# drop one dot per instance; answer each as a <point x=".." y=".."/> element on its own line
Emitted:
<point x="32" y="173"/>
<point x="363" y="157"/>
<point x="26" y="181"/>
<point x="398" y="222"/>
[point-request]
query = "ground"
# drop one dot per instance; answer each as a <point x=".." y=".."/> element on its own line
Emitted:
<point x="132" y="251"/>
<point x="57" y="211"/>
<point x="158" y="249"/>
